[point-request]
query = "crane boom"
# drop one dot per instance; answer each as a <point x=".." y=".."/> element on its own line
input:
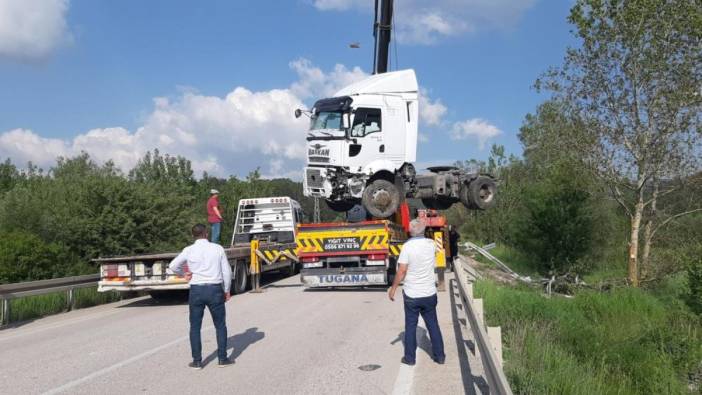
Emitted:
<point x="381" y="30"/>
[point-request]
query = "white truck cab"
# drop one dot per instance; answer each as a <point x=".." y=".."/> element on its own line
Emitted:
<point x="368" y="126"/>
<point x="361" y="146"/>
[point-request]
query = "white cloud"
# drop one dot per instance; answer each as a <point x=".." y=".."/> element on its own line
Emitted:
<point x="315" y="83"/>
<point x="430" y="112"/>
<point x="30" y="147"/>
<point x="226" y="135"/>
<point x="475" y="128"/>
<point x="235" y="133"/>
<point x="32" y="29"/>
<point x="426" y="22"/>
<point x="339" y="4"/>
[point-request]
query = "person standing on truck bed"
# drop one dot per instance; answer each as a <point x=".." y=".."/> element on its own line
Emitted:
<point x="416" y="266"/>
<point x="214" y="216"/>
<point x="210" y="277"/>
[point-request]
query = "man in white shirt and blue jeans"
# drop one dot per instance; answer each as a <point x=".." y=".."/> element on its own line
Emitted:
<point x="416" y="266"/>
<point x="210" y="278"/>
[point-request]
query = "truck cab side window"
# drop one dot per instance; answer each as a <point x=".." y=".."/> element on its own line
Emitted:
<point x="366" y="121"/>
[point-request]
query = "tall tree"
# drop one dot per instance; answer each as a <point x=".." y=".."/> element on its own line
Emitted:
<point x="635" y="84"/>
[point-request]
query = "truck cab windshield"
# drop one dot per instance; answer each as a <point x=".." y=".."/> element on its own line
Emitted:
<point x="326" y="120"/>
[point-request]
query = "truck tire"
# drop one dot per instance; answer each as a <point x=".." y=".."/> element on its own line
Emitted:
<point x="479" y="194"/>
<point x="381" y="198"/>
<point x="437" y="203"/>
<point x="241" y="278"/>
<point x="340" y="205"/>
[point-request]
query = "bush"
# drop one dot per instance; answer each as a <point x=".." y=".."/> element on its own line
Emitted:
<point x="24" y="257"/>
<point x="694" y="282"/>
<point x="557" y="229"/>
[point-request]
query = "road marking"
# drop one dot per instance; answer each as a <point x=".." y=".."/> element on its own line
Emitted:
<point x="116" y="366"/>
<point x="403" y="382"/>
<point x="56" y="325"/>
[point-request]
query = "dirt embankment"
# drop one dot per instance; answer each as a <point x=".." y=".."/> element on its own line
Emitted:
<point x="487" y="271"/>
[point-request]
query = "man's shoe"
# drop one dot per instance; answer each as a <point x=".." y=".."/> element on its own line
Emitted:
<point x="406" y="362"/>
<point x="440" y="361"/>
<point x="195" y="365"/>
<point x="225" y="362"/>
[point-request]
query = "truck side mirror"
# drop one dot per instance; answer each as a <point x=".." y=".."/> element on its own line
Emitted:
<point x="298" y="113"/>
<point x="345" y="121"/>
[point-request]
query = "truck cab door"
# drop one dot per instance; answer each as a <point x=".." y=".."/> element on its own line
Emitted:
<point x="366" y="134"/>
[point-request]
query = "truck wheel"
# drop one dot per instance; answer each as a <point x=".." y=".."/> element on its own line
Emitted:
<point x="437" y="203"/>
<point x="381" y="198"/>
<point x="340" y="205"/>
<point x="241" y="278"/>
<point x="479" y="194"/>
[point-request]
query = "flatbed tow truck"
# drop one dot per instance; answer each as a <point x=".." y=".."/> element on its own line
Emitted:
<point x="345" y="254"/>
<point x="263" y="241"/>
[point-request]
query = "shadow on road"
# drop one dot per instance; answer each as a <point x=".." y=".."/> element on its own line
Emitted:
<point x="282" y="286"/>
<point x="381" y="288"/>
<point x="238" y="343"/>
<point x="161" y="301"/>
<point x="423" y="341"/>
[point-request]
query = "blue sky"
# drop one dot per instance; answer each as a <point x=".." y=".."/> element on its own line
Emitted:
<point x="217" y="81"/>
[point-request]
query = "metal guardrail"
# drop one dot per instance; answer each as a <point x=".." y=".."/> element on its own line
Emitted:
<point x="41" y="287"/>
<point x="492" y="364"/>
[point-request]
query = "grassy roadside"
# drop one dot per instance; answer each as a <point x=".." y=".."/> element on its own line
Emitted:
<point x="623" y="342"/>
<point x="31" y="307"/>
<point x="511" y="258"/>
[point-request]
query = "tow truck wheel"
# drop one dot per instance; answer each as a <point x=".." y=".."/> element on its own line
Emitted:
<point x="479" y="194"/>
<point x="381" y="198"/>
<point x="241" y="278"/>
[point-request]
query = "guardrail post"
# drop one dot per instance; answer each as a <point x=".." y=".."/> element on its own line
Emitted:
<point x="495" y="336"/>
<point x="5" y="312"/>
<point x="70" y="300"/>
<point x="478" y="308"/>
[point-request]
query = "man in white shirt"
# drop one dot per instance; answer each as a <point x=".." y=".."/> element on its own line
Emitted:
<point x="416" y="266"/>
<point x="210" y="278"/>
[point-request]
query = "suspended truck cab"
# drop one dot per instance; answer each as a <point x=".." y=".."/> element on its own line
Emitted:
<point x="361" y="146"/>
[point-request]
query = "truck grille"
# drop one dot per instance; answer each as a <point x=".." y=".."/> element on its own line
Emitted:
<point x="314" y="178"/>
<point x="319" y="159"/>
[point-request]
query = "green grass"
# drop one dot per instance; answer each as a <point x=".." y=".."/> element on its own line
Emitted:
<point x="603" y="274"/>
<point x="31" y="307"/>
<point x="623" y="342"/>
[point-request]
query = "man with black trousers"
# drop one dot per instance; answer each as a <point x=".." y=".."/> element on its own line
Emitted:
<point x="416" y="266"/>
<point x="210" y="278"/>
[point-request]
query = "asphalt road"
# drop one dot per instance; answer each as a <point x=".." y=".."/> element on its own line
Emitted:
<point x="285" y="340"/>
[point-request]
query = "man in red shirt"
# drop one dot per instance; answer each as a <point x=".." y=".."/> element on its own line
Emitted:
<point x="214" y="216"/>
